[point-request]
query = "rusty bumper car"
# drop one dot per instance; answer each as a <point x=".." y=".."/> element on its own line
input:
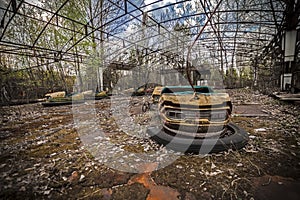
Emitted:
<point x="196" y="121"/>
<point x="60" y="98"/>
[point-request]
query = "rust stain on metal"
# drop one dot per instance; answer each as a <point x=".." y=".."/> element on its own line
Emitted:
<point x="157" y="192"/>
<point x="143" y="179"/>
<point x="162" y="193"/>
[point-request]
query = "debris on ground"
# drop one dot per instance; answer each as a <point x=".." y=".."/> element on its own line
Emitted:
<point x="43" y="155"/>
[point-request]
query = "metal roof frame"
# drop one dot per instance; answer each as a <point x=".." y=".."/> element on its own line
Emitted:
<point x="242" y="30"/>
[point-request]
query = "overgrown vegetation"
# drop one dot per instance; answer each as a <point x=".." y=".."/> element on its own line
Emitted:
<point x="32" y="84"/>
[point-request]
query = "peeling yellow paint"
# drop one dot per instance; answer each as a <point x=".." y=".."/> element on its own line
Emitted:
<point x="201" y="99"/>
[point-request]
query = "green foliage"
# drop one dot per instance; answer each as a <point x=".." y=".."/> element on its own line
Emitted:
<point x="243" y="78"/>
<point x="32" y="84"/>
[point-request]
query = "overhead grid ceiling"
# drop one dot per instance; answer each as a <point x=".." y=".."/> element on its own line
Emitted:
<point x="220" y="32"/>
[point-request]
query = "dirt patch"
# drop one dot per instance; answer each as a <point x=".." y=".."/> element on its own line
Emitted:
<point x="276" y="188"/>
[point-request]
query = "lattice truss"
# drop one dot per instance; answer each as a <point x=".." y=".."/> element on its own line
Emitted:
<point x="126" y="33"/>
